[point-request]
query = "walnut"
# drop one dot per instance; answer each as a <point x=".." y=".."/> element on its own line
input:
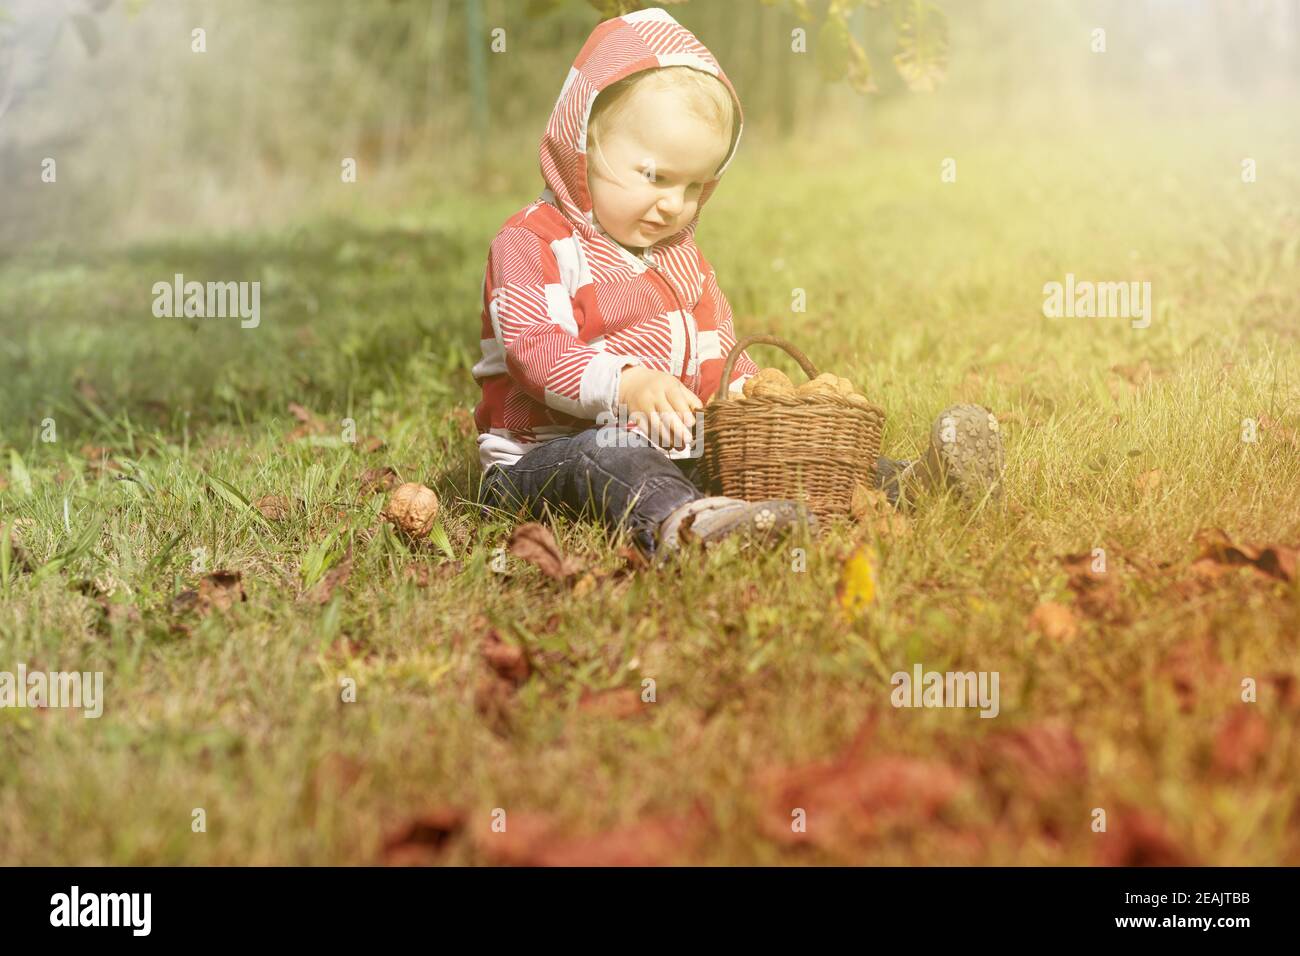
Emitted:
<point x="413" y="508"/>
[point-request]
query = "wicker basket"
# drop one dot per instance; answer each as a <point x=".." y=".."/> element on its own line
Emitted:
<point x="811" y="448"/>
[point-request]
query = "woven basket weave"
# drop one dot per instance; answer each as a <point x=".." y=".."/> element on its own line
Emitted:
<point x="810" y="448"/>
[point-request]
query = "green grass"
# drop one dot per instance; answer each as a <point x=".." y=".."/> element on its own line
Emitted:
<point x="922" y="291"/>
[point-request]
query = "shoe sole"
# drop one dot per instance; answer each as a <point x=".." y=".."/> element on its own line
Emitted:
<point x="966" y="453"/>
<point x="760" y="522"/>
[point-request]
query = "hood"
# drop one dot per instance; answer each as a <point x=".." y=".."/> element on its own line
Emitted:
<point x="643" y="40"/>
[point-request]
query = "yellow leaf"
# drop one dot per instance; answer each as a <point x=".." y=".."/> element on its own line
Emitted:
<point x="857" y="588"/>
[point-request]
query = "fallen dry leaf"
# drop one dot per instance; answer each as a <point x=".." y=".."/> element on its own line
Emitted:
<point x="506" y="660"/>
<point x="308" y="423"/>
<point x="532" y="839"/>
<point x="1137" y="375"/>
<point x="1054" y="621"/>
<point x="422" y="840"/>
<point x="221" y="590"/>
<point x="850" y="801"/>
<point x="335" y="578"/>
<point x="1041" y="761"/>
<point x="1137" y="838"/>
<point x="423" y="575"/>
<point x="373" y="480"/>
<point x="115" y="614"/>
<point x="870" y="507"/>
<point x="274" y="507"/>
<point x="1241" y="742"/>
<point x="462" y="421"/>
<point x="1149" y="481"/>
<point x="1193" y="666"/>
<point x="371" y="445"/>
<point x="1217" y="548"/>
<point x="619" y="703"/>
<point x="534" y="543"/>
<point x="1097" y="592"/>
<point x="99" y="459"/>
<point x="1284" y="688"/>
<point x="18" y="554"/>
<point x="1276" y="430"/>
<point x="494" y="701"/>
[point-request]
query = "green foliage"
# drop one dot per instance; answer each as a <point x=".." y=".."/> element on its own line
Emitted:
<point x="920" y="28"/>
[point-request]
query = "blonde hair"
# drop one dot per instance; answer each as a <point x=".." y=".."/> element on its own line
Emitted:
<point x="703" y="93"/>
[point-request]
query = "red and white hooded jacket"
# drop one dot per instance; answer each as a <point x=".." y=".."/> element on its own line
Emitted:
<point x="565" y="307"/>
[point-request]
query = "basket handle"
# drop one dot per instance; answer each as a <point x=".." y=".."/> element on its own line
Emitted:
<point x="763" y="338"/>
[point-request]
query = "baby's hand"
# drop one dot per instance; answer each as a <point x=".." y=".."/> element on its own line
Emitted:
<point x="649" y="394"/>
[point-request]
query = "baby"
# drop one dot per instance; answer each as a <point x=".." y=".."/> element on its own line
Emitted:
<point x="604" y="329"/>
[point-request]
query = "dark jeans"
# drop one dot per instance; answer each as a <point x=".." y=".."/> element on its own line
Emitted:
<point x="613" y="475"/>
<point x="618" y="478"/>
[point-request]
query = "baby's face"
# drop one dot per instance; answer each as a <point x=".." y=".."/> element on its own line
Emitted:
<point x="647" y="175"/>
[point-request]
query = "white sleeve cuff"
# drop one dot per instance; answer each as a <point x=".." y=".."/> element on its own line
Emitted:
<point x="735" y="387"/>
<point x="598" y="392"/>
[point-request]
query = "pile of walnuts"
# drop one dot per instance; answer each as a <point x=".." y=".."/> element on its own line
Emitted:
<point x="770" y="382"/>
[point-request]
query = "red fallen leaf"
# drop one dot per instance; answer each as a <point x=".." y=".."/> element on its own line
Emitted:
<point x="506" y="660"/>
<point x="1137" y="838"/>
<point x="371" y="445"/>
<point x="535" y="840"/>
<point x="1275" y="561"/>
<point x="618" y="703"/>
<point x="423" y="839"/>
<point x="1241" y="742"/>
<point x="534" y="543"/>
<point x="851" y="800"/>
<point x="1041" y="760"/>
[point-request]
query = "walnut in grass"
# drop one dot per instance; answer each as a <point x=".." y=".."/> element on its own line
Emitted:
<point x="413" y="508"/>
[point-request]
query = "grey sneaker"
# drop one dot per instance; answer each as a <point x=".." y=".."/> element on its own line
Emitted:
<point x="710" y="520"/>
<point x="965" y="454"/>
